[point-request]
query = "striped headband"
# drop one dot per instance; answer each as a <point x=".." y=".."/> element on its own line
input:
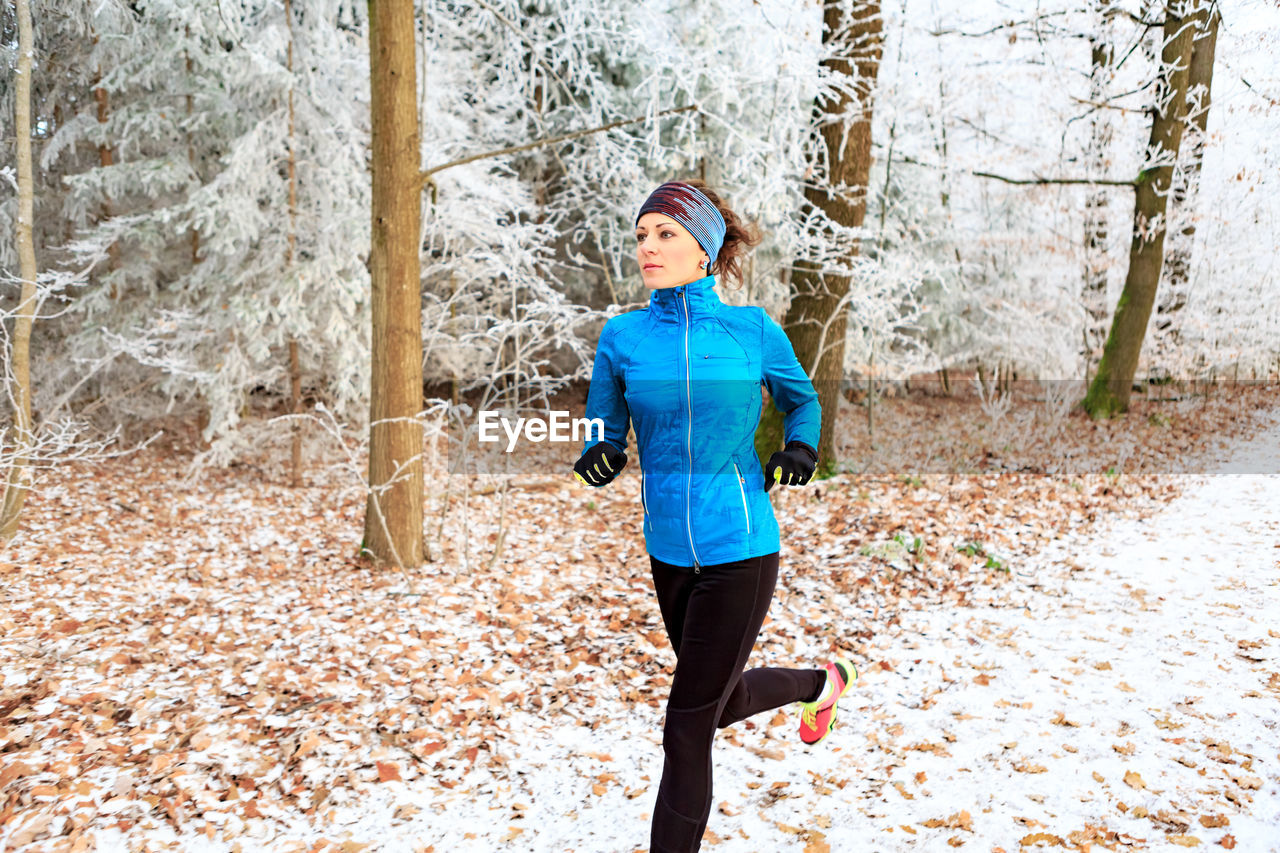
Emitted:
<point x="687" y="205"/>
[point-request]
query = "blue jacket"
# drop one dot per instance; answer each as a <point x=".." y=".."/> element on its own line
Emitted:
<point x="687" y="372"/>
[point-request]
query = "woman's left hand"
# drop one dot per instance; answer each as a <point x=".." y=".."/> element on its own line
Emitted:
<point x="792" y="466"/>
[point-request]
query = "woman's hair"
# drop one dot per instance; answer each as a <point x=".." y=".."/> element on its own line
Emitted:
<point x="739" y="236"/>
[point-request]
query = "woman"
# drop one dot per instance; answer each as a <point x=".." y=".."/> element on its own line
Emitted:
<point x="686" y="372"/>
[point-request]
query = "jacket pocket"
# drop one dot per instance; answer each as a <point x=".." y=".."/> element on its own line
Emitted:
<point x="743" y="492"/>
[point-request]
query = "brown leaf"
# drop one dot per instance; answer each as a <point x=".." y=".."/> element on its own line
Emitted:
<point x="816" y="842"/>
<point x="959" y="820"/>
<point x="308" y="745"/>
<point x="388" y="771"/>
<point x="764" y="752"/>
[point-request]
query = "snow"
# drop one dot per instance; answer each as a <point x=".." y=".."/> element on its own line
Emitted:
<point x="1142" y="647"/>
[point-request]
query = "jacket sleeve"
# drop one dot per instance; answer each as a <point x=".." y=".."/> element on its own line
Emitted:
<point x="789" y="385"/>
<point x="605" y="398"/>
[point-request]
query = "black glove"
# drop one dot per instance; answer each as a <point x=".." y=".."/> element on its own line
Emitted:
<point x="792" y="466"/>
<point x="600" y="464"/>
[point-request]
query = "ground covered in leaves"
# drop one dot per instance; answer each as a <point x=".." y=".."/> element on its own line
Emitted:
<point x="206" y="664"/>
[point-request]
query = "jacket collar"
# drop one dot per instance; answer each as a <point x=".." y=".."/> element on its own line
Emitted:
<point x="700" y="296"/>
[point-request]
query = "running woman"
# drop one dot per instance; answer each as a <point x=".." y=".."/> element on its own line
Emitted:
<point x="686" y="372"/>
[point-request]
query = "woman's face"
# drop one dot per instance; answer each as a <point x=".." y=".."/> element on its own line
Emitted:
<point x="667" y="253"/>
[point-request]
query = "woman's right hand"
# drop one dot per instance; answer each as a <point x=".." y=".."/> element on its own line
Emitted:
<point x="600" y="464"/>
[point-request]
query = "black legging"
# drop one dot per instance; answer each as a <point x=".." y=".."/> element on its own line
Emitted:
<point x="712" y="618"/>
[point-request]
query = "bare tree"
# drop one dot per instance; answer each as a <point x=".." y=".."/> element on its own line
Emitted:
<point x="19" y="378"/>
<point x="393" y="518"/>
<point x="295" y="368"/>
<point x="1109" y="392"/>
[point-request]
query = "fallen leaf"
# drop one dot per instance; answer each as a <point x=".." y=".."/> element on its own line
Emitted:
<point x="816" y="842"/>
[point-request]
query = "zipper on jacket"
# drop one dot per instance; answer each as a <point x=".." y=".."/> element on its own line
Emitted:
<point x="643" y="502"/>
<point x="743" y="492"/>
<point x="688" y="492"/>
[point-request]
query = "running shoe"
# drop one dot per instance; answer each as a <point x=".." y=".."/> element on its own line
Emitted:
<point x="818" y="717"/>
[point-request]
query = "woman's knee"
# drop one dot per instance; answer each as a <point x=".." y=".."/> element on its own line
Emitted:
<point x="688" y="733"/>
<point x="734" y="709"/>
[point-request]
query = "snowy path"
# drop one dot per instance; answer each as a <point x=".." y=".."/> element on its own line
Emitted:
<point x="1122" y="693"/>
<point x="1150" y="650"/>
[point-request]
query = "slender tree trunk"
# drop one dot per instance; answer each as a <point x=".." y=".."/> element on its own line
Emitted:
<point x="191" y="151"/>
<point x="393" y="519"/>
<point x="295" y="366"/>
<point x="1186" y="186"/>
<point x="1097" y="157"/>
<point x="105" y="158"/>
<point x="1109" y="392"/>
<point x="816" y="319"/>
<point x="19" y="386"/>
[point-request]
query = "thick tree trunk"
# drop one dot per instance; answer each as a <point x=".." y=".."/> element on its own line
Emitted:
<point x="19" y="475"/>
<point x="1186" y="186"/>
<point x="393" y="519"/>
<point x="1109" y="392"/>
<point x="1097" y="157"/>
<point x="816" y="319"/>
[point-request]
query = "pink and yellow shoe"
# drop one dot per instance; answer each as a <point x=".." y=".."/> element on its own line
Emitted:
<point x="818" y="717"/>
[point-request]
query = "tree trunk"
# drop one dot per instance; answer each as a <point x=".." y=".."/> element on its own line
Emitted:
<point x="816" y="319"/>
<point x="295" y="365"/>
<point x="191" y="151"/>
<point x="105" y="158"/>
<point x="393" y="519"/>
<point x="1097" y="157"/>
<point x="1109" y="392"/>
<point x="1186" y="186"/>
<point x="19" y="475"/>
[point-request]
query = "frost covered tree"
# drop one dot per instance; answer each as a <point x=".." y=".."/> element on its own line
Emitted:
<point x="222" y="259"/>
<point x="835" y="205"/>
<point x="1097" y="160"/>
<point x="1185" y="194"/>
<point x="18" y="364"/>
<point x="1110" y="388"/>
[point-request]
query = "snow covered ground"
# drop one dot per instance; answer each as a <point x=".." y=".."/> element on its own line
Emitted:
<point x="1118" y="690"/>
<point x="1122" y="693"/>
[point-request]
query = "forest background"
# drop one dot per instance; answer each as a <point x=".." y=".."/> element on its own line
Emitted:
<point x="940" y="189"/>
<point x="263" y="260"/>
